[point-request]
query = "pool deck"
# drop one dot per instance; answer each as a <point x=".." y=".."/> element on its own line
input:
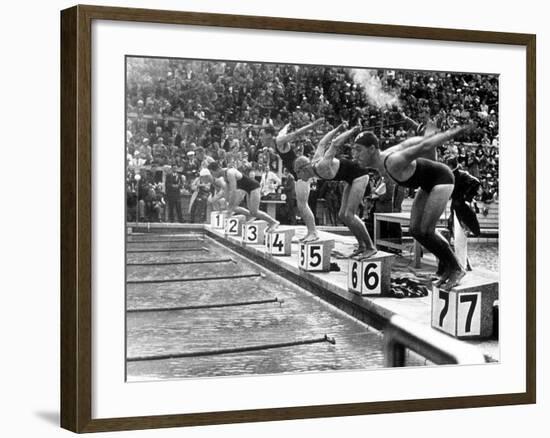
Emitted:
<point x="332" y="286"/>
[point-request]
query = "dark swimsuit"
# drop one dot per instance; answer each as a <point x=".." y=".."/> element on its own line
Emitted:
<point x="288" y="159"/>
<point x="348" y="171"/>
<point x="427" y="174"/>
<point x="246" y="183"/>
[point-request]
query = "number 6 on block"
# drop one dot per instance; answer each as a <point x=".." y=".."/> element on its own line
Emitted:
<point x="354" y="276"/>
<point x="371" y="276"/>
<point x="364" y="277"/>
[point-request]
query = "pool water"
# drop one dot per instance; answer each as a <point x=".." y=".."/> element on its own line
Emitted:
<point x="484" y="255"/>
<point x="297" y="315"/>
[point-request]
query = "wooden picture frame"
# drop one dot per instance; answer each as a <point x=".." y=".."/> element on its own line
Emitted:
<point x="76" y="217"/>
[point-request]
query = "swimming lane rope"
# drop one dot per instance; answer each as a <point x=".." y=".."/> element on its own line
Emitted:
<point x="232" y="350"/>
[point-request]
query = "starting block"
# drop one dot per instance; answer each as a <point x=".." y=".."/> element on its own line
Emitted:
<point x="234" y="225"/>
<point x="371" y="276"/>
<point x="217" y="219"/>
<point x="466" y="311"/>
<point x="278" y="243"/>
<point x="315" y="256"/>
<point x="254" y="233"/>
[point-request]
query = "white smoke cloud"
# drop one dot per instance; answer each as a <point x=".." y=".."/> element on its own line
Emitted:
<point x="371" y="87"/>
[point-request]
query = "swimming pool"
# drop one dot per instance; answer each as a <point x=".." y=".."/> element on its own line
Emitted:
<point x="225" y="302"/>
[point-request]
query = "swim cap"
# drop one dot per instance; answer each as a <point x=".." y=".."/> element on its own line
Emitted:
<point x="367" y="138"/>
<point x="300" y="163"/>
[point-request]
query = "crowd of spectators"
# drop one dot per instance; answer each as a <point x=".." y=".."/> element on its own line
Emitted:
<point x="183" y="114"/>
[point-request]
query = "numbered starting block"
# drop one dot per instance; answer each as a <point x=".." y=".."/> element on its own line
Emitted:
<point x="234" y="225"/>
<point x="278" y="243"/>
<point x="466" y="311"/>
<point x="315" y="256"/>
<point x="217" y="219"/>
<point x="254" y="233"/>
<point x="372" y="276"/>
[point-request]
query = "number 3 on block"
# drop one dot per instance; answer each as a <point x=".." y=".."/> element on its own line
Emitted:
<point x="252" y="233"/>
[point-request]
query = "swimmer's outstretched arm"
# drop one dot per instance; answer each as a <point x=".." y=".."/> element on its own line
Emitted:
<point x="405" y="144"/>
<point x="284" y="137"/>
<point x="338" y="141"/>
<point x="325" y="141"/>
<point x="410" y="122"/>
<point x="428" y="144"/>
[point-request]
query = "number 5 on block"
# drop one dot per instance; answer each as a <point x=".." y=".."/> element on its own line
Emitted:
<point x="315" y="256"/>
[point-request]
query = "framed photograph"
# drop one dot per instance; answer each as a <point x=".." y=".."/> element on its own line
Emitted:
<point x="268" y="219"/>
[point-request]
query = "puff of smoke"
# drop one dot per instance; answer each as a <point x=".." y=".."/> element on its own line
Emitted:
<point x="372" y="88"/>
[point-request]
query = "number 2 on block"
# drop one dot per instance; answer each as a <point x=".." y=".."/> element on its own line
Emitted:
<point x="232" y="226"/>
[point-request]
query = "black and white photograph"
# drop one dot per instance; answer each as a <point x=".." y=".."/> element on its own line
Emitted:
<point x="275" y="219"/>
<point x="299" y="218"/>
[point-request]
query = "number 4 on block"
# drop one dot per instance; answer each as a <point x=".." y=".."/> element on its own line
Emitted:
<point x="278" y="243"/>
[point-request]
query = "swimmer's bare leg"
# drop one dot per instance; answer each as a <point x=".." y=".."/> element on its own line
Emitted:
<point x="454" y="278"/>
<point x="351" y="198"/>
<point x="302" y="196"/>
<point x="367" y="253"/>
<point x="426" y="211"/>
<point x="254" y="206"/>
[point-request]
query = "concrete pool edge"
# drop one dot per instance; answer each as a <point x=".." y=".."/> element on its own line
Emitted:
<point x="376" y="312"/>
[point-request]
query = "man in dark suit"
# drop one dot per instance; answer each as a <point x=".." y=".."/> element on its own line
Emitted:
<point x="466" y="187"/>
<point x="173" y="186"/>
